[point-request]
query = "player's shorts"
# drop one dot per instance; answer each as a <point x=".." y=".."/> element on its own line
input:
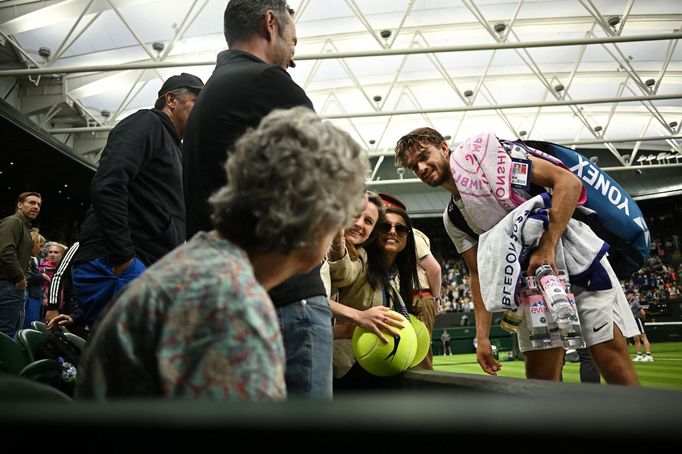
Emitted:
<point x="597" y="311"/>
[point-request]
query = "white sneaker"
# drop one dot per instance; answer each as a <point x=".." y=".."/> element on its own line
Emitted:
<point x="648" y="359"/>
<point x="638" y="359"/>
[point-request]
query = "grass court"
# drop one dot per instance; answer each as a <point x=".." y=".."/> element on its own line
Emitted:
<point x="664" y="373"/>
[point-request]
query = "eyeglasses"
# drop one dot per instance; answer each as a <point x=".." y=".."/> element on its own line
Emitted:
<point x="400" y="229"/>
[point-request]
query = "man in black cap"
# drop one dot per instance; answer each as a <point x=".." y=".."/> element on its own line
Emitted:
<point x="138" y="210"/>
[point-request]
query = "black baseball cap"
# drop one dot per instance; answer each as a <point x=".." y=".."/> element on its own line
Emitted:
<point x="184" y="80"/>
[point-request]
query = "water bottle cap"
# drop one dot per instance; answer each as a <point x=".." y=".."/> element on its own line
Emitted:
<point x="544" y="269"/>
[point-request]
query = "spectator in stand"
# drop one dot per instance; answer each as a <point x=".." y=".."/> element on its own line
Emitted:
<point x="676" y="245"/>
<point x="660" y="248"/>
<point x="34" y="281"/>
<point x="15" y="254"/>
<point x="347" y="246"/>
<point x="53" y="252"/>
<point x="250" y="80"/>
<point x="668" y="248"/>
<point x="426" y="304"/>
<point x="639" y="315"/>
<point x="138" y="212"/>
<point x="61" y="298"/>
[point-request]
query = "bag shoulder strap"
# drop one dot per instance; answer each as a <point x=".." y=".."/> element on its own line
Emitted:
<point x="457" y="218"/>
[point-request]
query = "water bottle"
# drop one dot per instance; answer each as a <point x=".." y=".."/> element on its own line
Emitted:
<point x="535" y="313"/>
<point x="555" y="296"/>
<point x="536" y="319"/>
<point x="511" y="319"/>
<point x="572" y="336"/>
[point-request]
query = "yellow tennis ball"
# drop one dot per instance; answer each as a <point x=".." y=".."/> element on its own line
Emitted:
<point x="423" y="340"/>
<point x="387" y="359"/>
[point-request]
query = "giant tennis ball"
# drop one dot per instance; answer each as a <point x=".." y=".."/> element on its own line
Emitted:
<point x="387" y="359"/>
<point x="423" y="340"/>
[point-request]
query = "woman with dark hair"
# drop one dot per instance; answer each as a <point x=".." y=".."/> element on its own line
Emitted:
<point x="384" y="275"/>
<point x="393" y="256"/>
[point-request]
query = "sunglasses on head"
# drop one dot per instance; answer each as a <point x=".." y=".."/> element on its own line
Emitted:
<point x="400" y="229"/>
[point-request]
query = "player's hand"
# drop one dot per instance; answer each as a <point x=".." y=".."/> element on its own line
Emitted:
<point x="484" y="356"/>
<point x="541" y="257"/>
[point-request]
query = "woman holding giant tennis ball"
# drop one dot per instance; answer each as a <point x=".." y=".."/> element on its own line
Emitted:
<point x="383" y="274"/>
<point x="404" y="350"/>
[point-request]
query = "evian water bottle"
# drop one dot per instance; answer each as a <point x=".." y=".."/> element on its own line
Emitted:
<point x="572" y="336"/>
<point x="555" y="295"/>
<point x="536" y="314"/>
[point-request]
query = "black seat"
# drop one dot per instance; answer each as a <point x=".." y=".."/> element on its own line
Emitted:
<point x="77" y="341"/>
<point x="39" y="326"/>
<point x="12" y="356"/>
<point x="14" y="388"/>
<point x="47" y="371"/>
<point x="31" y="340"/>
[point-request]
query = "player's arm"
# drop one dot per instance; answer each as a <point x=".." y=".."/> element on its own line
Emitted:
<point x="566" y="190"/>
<point x="484" y="350"/>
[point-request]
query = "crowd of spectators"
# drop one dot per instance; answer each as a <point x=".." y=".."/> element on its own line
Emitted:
<point x="657" y="283"/>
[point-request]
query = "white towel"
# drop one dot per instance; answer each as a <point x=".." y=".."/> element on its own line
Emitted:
<point x="502" y="249"/>
<point x="481" y="168"/>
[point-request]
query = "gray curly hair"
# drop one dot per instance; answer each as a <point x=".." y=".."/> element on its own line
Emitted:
<point x="291" y="181"/>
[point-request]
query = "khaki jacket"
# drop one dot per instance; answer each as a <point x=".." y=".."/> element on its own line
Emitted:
<point x="349" y="277"/>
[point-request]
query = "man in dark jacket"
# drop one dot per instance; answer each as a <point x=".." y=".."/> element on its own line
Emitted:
<point x="249" y="81"/>
<point x="137" y="213"/>
<point x="15" y="252"/>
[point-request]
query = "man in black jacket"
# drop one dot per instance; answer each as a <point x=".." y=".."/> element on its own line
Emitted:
<point x="249" y="81"/>
<point x="138" y="212"/>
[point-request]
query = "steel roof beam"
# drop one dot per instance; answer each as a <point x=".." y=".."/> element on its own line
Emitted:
<point x="63" y="47"/>
<point x="531" y="105"/>
<point x="460" y="109"/>
<point x="357" y="54"/>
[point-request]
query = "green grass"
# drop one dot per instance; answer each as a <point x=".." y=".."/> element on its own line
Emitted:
<point x="664" y="373"/>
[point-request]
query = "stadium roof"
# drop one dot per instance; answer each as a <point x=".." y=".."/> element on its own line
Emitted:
<point x="604" y="76"/>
